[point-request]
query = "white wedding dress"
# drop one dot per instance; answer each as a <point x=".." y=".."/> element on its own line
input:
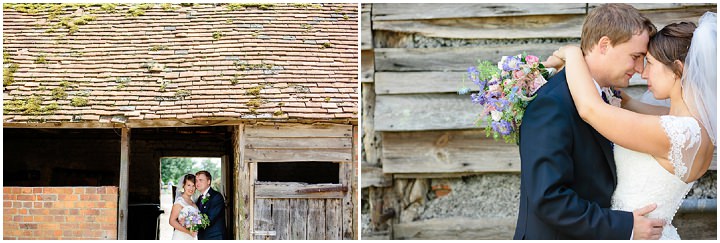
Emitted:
<point x="179" y="235"/>
<point x="642" y="180"/>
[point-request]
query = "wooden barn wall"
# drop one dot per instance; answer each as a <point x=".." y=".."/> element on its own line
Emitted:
<point x="415" y="125"/>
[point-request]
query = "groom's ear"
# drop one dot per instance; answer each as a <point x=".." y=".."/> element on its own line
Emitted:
<point x="604" y="44"/>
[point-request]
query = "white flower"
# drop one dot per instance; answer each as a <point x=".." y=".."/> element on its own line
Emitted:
<point x="500" y="63"/>
<point x="496" y="115"/>
<point x="494" y="88"/>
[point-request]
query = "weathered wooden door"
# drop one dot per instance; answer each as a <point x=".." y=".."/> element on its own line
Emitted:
<point x="287" y="202"/>
<point x="280" y="217"/>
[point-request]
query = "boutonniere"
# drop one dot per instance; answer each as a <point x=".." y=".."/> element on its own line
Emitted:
<point x="205" y="199"/>
<point x="614" y="97"/>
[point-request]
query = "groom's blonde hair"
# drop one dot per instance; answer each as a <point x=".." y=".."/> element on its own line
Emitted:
<point x="617" y="21"/>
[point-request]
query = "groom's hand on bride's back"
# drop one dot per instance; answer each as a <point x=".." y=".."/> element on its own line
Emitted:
<point x="645" y="228"/>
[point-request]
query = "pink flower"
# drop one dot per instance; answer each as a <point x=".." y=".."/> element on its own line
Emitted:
<point x="530" y="59"/>
<point x="518" y="74"/>
<point x="537" y="83"/>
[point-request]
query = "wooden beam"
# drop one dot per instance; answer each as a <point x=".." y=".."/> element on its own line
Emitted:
<point x="458" y="228"/>
<point x="371" y="140"/>
<point x="447" y="152"/>
<point x="365" y="27"/>
<point x="404" y="11"/>
<point x="299" y="130"/>
<point x="367" y="66"/>
<point x="452" y="59"/>
<point x="424" y="112"/>
<point x="124" y="183"/>
<point x="347" y="205"/>
<point x="299" y="143"/>
<point x="298" y="155"/>
<point x="295" y="190"/>
<point x="171" y="123"/>
<point x="350" y="204"/>
<point x="374" y="176"/>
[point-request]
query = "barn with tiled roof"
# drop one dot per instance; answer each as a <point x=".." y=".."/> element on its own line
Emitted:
<point x="262" y="86"/>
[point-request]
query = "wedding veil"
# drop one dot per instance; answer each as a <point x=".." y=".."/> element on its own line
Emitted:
<point x="699" y="80"/>
<point x="180" y="188"/>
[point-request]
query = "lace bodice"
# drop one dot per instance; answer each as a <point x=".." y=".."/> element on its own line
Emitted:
<point x="642" y="180"/>
<point x="186" y="207"/>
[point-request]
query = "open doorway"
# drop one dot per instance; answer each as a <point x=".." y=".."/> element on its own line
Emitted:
<point x="172" y="169"/>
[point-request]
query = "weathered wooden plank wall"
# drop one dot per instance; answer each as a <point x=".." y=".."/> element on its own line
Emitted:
<point x="414" y="123"/>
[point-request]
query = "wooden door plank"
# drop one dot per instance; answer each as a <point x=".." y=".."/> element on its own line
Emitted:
<point x="263" y="220"/>
<point x="281" y="218"/>
<point x="333" y="219"/>
<point x="316" y="219"/>
<point x="298" y="219"/>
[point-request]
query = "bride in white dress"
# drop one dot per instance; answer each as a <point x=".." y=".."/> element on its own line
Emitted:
<point x="183" y="203"/>
<point x="659" y="152"/>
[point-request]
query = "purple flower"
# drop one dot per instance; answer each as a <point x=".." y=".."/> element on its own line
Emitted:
<point x="478" y="99"/>
<point x="502" y="127"/>
<point x="510" y="63"/>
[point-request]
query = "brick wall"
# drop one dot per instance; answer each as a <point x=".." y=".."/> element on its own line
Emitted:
<point x="60" y="213"/>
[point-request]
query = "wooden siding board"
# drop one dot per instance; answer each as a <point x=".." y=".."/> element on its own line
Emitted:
<point x="401" y="11"/>
<point x="424" y="112"/>
<point x="447" y="152"/>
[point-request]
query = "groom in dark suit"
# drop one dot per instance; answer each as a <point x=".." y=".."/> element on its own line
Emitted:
<point x="567" y="168"/>
<point x="211" y="203"/>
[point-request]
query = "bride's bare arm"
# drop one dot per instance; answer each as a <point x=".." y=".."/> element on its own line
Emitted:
<point x="174" y="213"/>
<point x="639" y="132"/>
<point x="635" y="105"/>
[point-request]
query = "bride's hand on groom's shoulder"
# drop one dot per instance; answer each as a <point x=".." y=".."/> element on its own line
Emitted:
<point x="554" y="62"/>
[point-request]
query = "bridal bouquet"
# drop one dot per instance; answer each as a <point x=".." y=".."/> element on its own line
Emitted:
<point x="194" y="221"/>
<point x="505" y="91"/>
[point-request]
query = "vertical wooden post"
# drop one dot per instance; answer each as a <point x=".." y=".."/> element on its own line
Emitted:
<point x="124" y="182"/>
<point x="354" y="182"/>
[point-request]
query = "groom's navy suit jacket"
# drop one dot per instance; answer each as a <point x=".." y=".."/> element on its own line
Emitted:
<point x="215" y="210"/>
<point x="567" y="173"/>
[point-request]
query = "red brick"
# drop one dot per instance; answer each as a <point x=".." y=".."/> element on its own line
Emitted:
<point x="25" y="198"/>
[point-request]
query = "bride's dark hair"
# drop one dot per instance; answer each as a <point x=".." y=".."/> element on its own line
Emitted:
<point x="188" y="177"/>
<point x="671" y="43"/>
